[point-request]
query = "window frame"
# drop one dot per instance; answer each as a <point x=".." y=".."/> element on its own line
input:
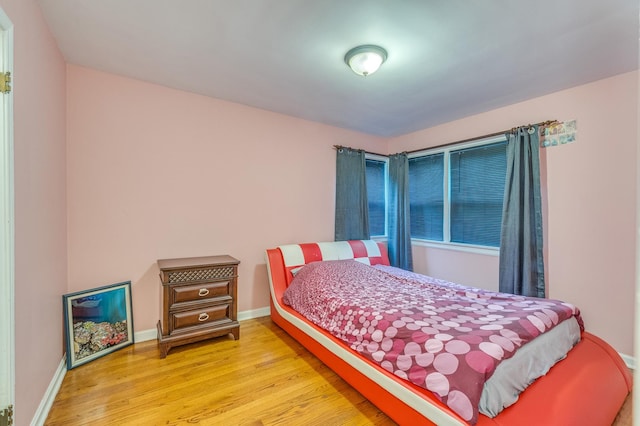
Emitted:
<point x="446" y="232"/>
<point x="385" y="160"/>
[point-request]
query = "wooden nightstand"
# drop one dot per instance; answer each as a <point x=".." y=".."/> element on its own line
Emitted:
<point x="198" y="300"/>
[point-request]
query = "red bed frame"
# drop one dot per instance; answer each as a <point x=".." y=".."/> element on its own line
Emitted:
<point x="588" y="387"/>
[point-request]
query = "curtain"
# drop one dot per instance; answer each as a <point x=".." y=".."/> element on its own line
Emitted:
<point x="399" y="239"/>
<point x="352" y="207"/>
<point x="521" y="262"/>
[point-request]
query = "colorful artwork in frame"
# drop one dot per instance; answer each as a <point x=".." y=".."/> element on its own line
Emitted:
<point x="97" y="322"/>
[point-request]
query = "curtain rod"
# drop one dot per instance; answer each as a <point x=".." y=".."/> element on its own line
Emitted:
<point x="542" y="123"/>
<point x="355" y="149"/>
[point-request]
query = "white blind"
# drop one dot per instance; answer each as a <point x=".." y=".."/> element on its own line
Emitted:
<point x="376" y="196"/>
<point x="477" y="192"/>
<point x="426" y="196"/>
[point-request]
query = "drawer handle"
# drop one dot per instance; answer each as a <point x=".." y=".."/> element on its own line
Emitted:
<point x="203" y="316"/>
<point x="203" y="292"/>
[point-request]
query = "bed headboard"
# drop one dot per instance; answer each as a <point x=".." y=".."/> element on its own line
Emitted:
<point x="365" y="251"/>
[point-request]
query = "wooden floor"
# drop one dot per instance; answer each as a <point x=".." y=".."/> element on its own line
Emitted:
<point x="265" y="378"/>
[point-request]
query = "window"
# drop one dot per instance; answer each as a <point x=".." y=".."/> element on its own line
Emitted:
<point x="377" y="195"/>
<point x="456" y="193"/>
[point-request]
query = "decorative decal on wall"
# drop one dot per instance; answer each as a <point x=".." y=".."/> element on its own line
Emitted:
<point x="558" y="133"/>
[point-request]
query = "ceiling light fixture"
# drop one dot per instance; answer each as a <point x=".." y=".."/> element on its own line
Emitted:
<point x="365" y="60"/>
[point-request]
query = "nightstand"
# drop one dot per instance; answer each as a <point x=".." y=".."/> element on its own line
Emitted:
<point x="198" y="300"/>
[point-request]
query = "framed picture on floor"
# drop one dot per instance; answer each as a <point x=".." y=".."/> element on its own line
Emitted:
<point x="97" y="322"/>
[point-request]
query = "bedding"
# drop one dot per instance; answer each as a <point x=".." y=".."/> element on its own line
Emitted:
<point x="441" y="336"/>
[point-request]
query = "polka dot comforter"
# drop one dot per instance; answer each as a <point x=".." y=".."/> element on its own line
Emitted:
<point x="441" y="336"/>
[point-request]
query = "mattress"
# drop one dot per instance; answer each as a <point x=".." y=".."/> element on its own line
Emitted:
<point x="530" y="362"/>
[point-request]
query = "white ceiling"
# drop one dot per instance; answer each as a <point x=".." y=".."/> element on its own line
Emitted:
<point x="447" y="58"/>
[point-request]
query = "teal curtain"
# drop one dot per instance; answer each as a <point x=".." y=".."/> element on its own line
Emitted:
<point x="399" y="238"/>
<point x="352" y="206"/>
<point x="521" y="258"/>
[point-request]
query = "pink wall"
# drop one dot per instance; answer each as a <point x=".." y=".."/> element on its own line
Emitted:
<point x="479" y="270"/>
<point x="590" y="201"/>
<point x="40" y="204"/>
<point x="160" y="173"/>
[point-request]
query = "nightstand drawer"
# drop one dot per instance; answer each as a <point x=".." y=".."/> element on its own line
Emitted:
<point x="204" y="291"/>
<point x="208" y="315"/>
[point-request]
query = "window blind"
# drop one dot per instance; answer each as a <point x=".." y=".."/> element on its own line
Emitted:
<point x="426" y="196"/>
<point x="376" y="195"/>
<point x="477" y="177"/>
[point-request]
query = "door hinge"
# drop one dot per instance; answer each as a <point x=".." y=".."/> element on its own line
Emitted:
<point x="5" y="79"/>
<point x="6" y="416"/>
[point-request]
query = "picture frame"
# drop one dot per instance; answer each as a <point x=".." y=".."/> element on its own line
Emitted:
<point x="97" y="322"/>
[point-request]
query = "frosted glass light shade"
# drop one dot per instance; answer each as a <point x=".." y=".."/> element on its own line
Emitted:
<point x="365" y="60"/>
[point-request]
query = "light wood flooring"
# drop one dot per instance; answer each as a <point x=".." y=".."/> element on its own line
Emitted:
<point x="265" y="378"/>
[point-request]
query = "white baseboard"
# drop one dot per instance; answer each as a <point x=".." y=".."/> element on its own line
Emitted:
<point x="255" y="313"/>
<point x="629" y="360"/>
<point x="50" y="395"/>
<point x="144" y="335"/>
<point x="152" y="334"/>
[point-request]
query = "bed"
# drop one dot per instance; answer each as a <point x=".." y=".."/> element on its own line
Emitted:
<point x="588" y="386"/>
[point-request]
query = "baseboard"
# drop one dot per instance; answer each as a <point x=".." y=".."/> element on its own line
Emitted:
<point x="50" y="395"/>
<point x="629" y="360"/>
<point x="144" y="335"/>
<point x="152" y="334"/>
<point x="255" y="313"/>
